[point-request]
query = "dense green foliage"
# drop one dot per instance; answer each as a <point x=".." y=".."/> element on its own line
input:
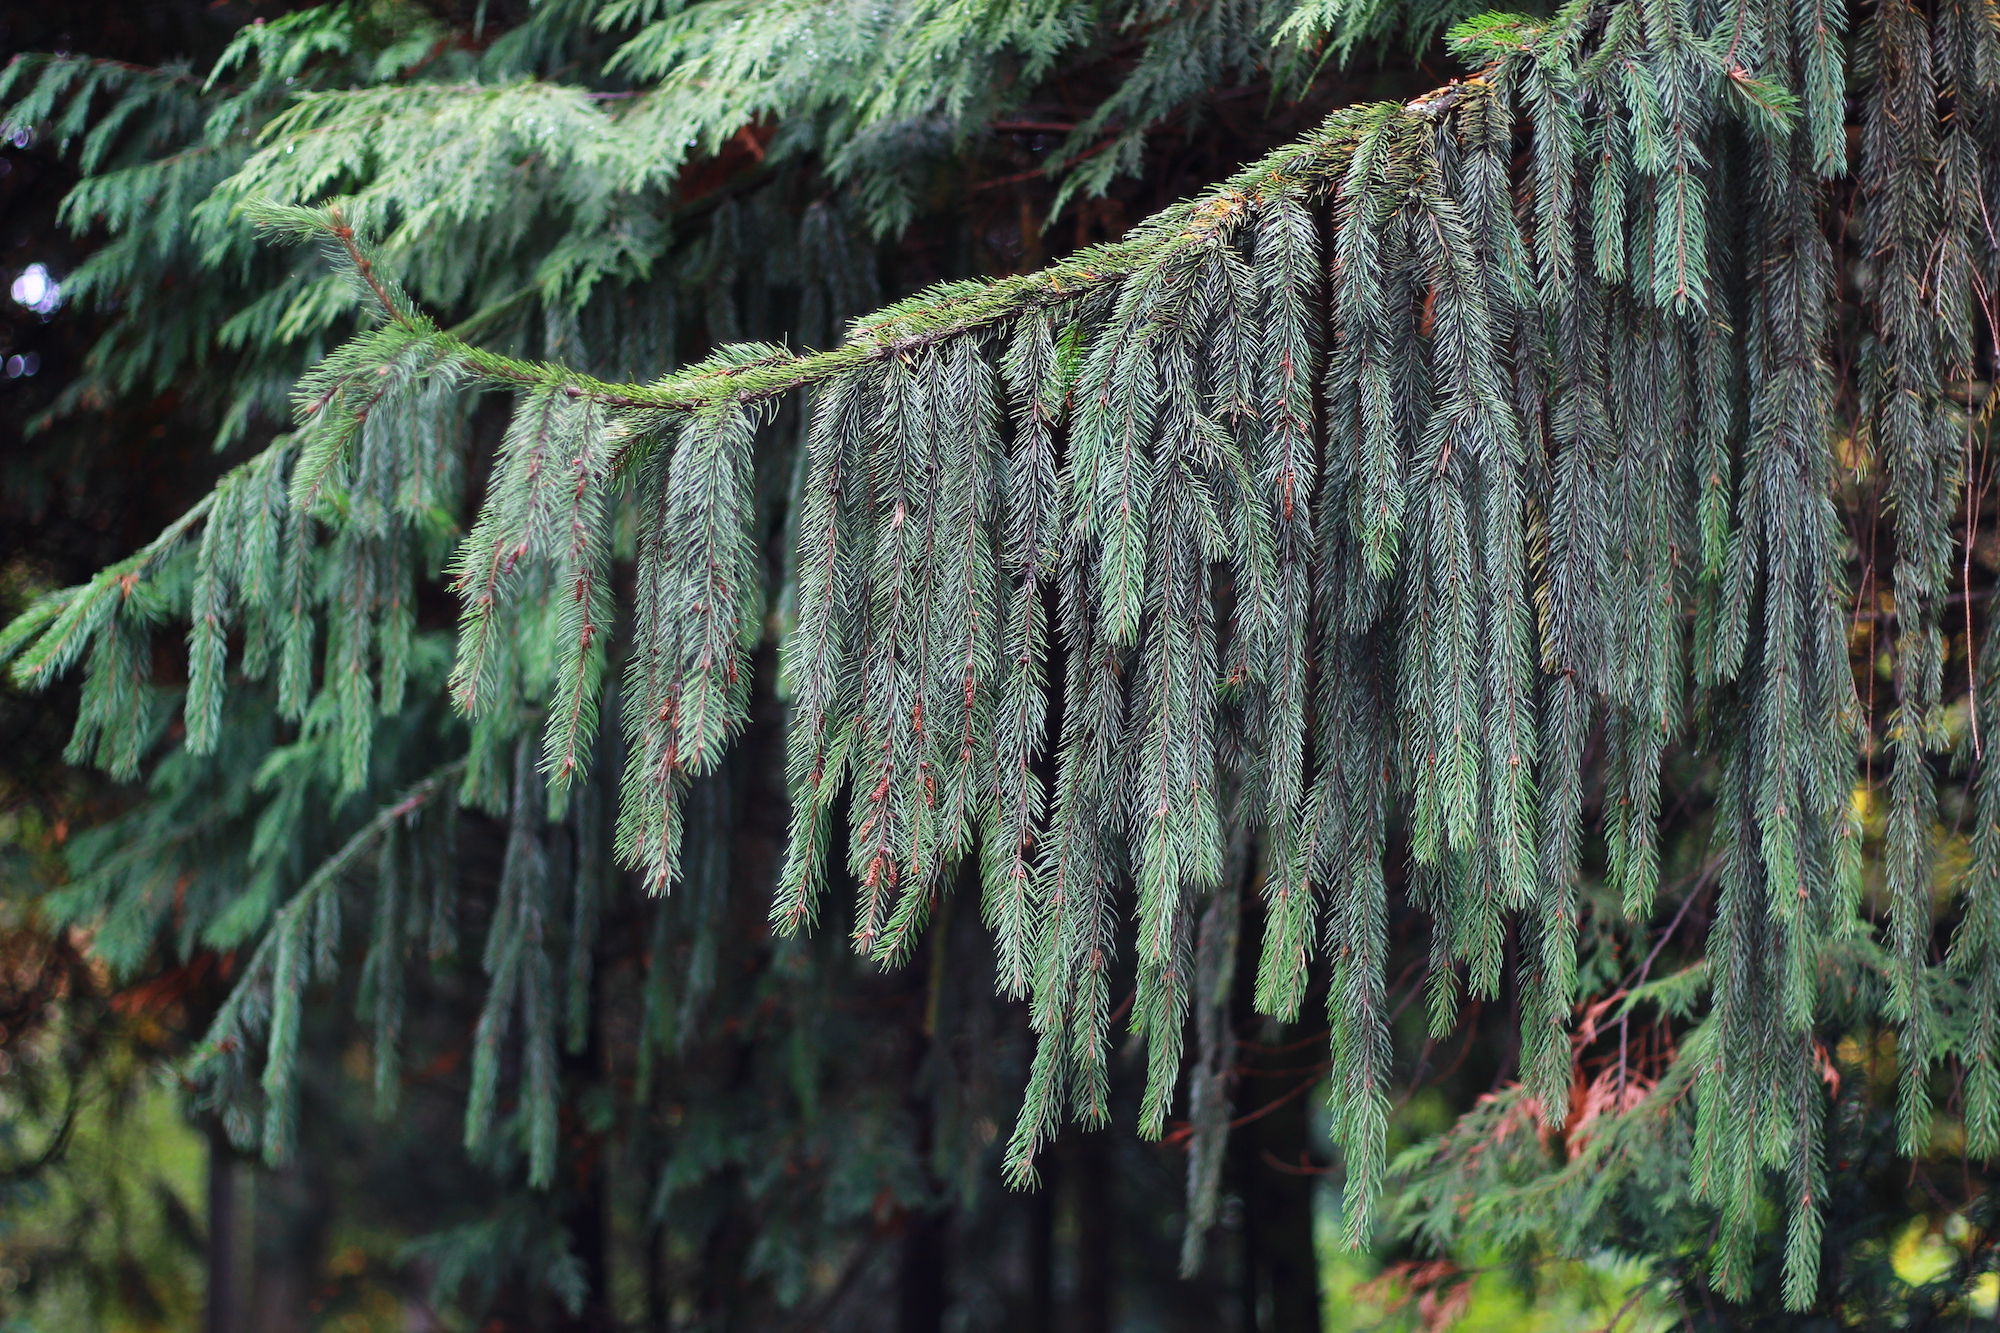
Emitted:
<point x="1331" y="545"/>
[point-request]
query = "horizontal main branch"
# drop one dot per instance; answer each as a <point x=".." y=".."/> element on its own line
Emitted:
<point x="940" y="313"/>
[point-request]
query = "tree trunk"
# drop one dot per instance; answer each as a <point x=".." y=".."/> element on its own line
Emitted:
<point x="222" y="1234"/>
<point x="1040" y="1218"/>
<point x="590" y="1235"/>
<point x="1281" y="1269"/>
<point x="659" y="1307"/>
<point x="1271" y="1167"/>
<point x="588" y="1217"/>
<point x="923" y="1293"/>
<point x="1096" y="1231"/>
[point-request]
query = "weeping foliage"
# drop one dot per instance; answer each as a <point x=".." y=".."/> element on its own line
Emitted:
<point x="1337" y="529"/>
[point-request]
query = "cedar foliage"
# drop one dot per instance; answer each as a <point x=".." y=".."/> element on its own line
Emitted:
<point x="1356" y="520"/>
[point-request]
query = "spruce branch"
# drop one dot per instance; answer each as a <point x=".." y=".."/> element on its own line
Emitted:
<point x="266" y="997"/>
<point x="1309" y="166"/>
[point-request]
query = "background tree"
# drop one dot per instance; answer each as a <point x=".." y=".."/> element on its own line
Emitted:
<point x="1339" y="566"/>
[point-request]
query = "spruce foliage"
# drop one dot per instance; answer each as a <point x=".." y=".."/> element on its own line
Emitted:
<point x="1354" y="524"/>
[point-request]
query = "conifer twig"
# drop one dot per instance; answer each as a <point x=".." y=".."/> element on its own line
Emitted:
<point x="226" y="1028"/>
